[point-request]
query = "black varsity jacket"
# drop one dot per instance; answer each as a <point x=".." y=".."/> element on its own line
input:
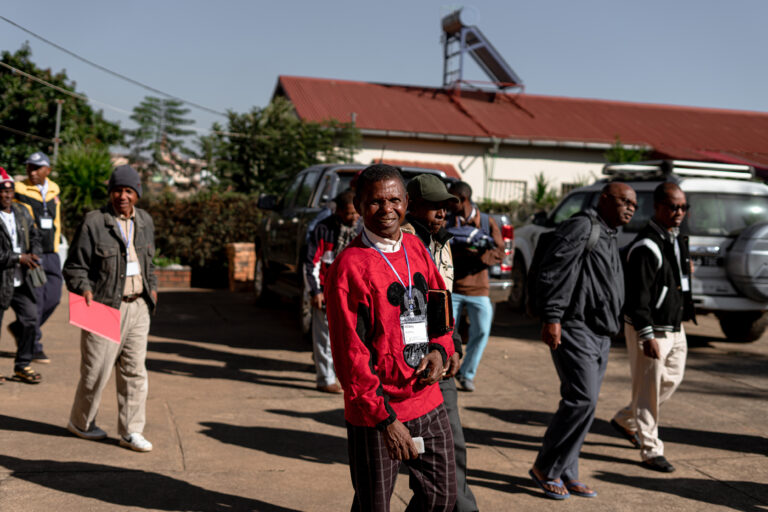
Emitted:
<point x="655" y="298"/>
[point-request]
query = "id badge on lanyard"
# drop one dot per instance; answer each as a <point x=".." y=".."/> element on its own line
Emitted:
<point x="414" y="329"/>
<point x="413" y="326"/>
<point x="46" y="222"/>
<point x="131" y="267"/>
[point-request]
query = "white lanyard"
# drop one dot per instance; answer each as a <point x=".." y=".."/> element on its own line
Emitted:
<point x="408" y="265"/>
<point x="128" y="238"/>
<point x="44" y="192"/>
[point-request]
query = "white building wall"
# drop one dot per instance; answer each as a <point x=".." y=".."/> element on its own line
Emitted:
<point x="513" y="162"/>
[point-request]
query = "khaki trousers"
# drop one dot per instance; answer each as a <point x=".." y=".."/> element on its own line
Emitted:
<point x="653" y="383"/>
<point x="97" y="357"/>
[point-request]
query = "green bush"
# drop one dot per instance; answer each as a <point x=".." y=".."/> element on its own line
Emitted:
<point x="82" y="171"/>
<point x="196" y="229"/>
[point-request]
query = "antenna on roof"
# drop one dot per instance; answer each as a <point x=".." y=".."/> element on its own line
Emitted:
<point x="461" y="37"/>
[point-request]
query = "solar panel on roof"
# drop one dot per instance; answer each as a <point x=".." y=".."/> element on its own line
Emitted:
<point x="460" y="38"/>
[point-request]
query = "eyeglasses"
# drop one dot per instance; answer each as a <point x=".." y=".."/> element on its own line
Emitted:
<point x="626" y="202"/>
<point x="675" y="207"/>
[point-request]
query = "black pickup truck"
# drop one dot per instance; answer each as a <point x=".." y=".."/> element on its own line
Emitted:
<point x="281" y="241"/>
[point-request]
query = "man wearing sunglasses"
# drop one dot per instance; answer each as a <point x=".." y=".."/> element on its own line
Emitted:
<point x="658" y="285"/>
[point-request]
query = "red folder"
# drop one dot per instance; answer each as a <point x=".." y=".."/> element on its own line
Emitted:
<point x="96" y="318"/>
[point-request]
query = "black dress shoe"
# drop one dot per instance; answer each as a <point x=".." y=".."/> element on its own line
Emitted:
<point x="626" y="434"/>
<point x="659" y="464"/>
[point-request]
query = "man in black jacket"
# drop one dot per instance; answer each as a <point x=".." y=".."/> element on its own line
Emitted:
<point x="658" y="284"/>
<point x="581" y="286"/>
<point x="20" y="250"/>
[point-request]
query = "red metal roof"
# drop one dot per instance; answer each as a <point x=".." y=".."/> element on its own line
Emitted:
<point x="448" y="169"/>
<point x="672" y="131"/>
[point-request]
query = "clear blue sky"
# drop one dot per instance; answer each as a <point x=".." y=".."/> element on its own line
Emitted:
<point x="227" y="54"/>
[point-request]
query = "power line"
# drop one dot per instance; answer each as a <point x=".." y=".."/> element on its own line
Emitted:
<point x="61" y="89"/>
<point x="113" y="73"/>
<point x="25" y="134"/>
<point x="118" y="109"/>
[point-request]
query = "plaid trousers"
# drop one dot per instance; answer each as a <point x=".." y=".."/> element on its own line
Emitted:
<point x="374" y="472"/>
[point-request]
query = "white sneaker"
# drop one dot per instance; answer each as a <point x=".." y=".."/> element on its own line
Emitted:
<point x="136" y="442"/>
<point x="92" y="434"/>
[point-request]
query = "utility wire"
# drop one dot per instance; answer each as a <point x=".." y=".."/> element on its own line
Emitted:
<point x="61" y="89"/>
<point x="113" y="73"/>
<point x="118" y="109"/>
<point x="25" y="134"/>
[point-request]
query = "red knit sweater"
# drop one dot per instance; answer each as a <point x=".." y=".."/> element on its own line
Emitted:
<point x="366" y="339"/>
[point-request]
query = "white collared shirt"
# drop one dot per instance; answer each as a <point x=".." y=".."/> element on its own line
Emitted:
<point x="9" y="219"/>
<point x="384" y="244"/>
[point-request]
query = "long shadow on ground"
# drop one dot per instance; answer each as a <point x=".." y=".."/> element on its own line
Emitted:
<point x="129" y="488"/>
<point x="36" y="427"/>
<point x="738" y="495"/>
<point x="207" y="371"/>
<point x="333" y="417"/>
<point x="296" y="444"/>
<point x="231" y="359"/>
<point x="739" y="443"/>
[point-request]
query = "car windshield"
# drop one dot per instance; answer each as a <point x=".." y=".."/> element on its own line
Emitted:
<point x="724" y="214"/>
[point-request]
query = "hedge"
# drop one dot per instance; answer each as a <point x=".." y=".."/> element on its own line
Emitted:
<point x="196" y="229"/>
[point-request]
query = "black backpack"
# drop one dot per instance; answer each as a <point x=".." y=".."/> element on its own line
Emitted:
<point x="532" y="300"/>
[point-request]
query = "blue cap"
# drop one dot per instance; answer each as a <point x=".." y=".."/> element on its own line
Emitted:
<point x="39" y="159"/>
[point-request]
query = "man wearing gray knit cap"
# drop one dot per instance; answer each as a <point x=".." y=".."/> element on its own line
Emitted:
<point x="110" y="261"/>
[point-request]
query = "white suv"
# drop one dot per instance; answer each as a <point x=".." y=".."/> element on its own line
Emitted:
<point x="727" y="225"/>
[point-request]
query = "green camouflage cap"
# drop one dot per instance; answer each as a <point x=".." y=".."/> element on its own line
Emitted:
<point x="429" y="188"/>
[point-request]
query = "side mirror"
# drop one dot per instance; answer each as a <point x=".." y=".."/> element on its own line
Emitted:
<point x="267" y="202"/>
<point x="540" y="218"/>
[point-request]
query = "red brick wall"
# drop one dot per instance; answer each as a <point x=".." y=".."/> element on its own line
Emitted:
<point x="173" y="277"/>
<point x="242" y="261"/>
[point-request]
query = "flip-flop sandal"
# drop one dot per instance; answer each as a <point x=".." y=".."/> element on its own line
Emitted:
<point x="547" y="492"/>
<point x="573" y="488"/>
<point x="28" y="375"/>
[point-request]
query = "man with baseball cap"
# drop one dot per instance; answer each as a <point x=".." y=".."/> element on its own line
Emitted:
<point x="428" y="198"/>
<point x="19" y="252"/>
<point x="110" y="261"/>
<point x="40" y="195"/>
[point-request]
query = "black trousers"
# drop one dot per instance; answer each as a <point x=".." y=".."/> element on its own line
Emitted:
<point x="48" y="295"/>
<point x="23" y="304"/>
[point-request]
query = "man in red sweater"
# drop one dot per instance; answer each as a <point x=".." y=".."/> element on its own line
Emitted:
<point x="386" y="360"/>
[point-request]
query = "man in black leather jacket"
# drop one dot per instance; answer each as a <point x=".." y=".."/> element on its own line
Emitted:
<point x="658" y="283"/>
<point x="581" y="294"/>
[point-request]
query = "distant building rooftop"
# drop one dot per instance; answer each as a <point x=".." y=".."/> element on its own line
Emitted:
<point x="693" y="133"/>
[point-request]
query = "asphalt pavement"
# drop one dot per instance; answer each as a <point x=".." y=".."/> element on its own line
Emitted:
<point x="237" y="424"/>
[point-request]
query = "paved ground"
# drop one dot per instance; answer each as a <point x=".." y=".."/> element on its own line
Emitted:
<point x="238" y="425"/>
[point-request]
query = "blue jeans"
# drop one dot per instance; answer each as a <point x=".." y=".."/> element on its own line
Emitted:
<point x="480" y="313"/>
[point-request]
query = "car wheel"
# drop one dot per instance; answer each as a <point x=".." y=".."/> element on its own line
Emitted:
<point x="743" y="326"/>
<point x="258" y="277"/>
<point x="517" y="294"/>
<point x="305" y="314"/>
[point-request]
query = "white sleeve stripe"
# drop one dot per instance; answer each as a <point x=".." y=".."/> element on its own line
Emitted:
<point x="646" y="242"/>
